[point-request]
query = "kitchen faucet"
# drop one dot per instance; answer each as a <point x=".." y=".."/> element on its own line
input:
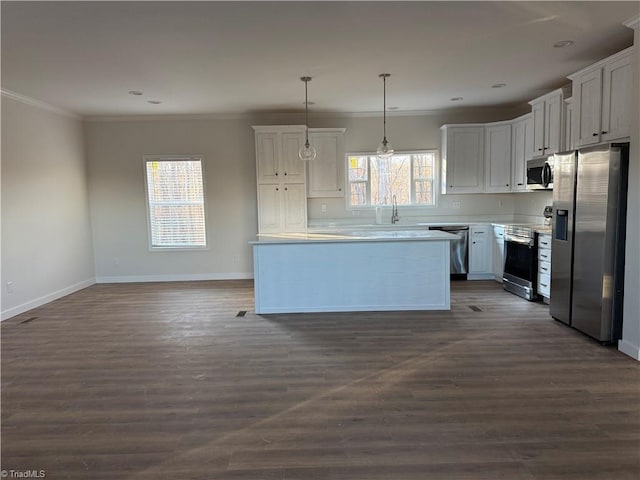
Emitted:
<point x="394" y="211"/>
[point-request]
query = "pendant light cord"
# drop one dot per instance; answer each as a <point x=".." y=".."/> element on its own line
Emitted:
<point x="306" y="112"/>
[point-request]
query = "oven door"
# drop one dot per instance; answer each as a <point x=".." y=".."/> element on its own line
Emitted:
<point x="520" y="266"/>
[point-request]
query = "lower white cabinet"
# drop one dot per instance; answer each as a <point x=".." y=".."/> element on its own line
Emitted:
<point x="282" y="208"/>
<point x="480" y="258"/>
<point x="498" y="252"/>
<point x="544" y="267"/>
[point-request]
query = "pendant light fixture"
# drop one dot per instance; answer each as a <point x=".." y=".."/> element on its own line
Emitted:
<point x="385" y="150"/>
<point x="306" y="152"/>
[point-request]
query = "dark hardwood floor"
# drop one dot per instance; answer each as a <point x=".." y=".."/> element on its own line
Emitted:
<point x="165" y="381"/>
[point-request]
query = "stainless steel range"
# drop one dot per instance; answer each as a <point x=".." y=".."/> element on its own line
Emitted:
<point x="521" y="261"/>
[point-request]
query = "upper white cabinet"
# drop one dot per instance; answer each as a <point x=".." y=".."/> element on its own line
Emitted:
<point x="497" y="167"/>
<point x="569" y="138"/>
<point x="326" y="172"/>
<point x="521" y="148"/>
<point x="281" y="179"/>
<point x="463" y="158"/>
<point x="602" y="100"/>
<point x="547" y="123"/>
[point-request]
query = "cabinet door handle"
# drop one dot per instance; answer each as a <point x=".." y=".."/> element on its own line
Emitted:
<point x="339" y="189"/>
<point x="285" y="174"/>
<point x="540" y="149"/>
<point x="507" y="185"/>
<point x="595" y="134"/>
<point x="286" y="188"/>
<point x="604" y="133"/>
<point x="543" y="285"/>
<point x="277" y="189"/>
<point x="450" y="186"/>
<point x="276" y="174"/>
<point x="520" y="184"/>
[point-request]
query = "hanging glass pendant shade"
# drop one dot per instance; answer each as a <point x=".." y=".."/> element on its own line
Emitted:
<point x="306" y="152"/>
<point x="385" y="149"/>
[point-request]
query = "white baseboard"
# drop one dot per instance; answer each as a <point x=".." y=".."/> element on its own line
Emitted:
<point x="629" y="349"/>
<point x="174" y="278"/>
<point x="12" y="312"/>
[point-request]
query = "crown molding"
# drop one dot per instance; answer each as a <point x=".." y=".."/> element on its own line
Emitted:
<point x="633" y="22"/>
<point x="39" y="104"/>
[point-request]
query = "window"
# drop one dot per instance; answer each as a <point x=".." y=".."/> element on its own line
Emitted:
<point x="374" y="181"/>
<point x="175" y="199"/>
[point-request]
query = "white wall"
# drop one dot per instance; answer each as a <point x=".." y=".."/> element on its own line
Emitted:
<point x="46" y="235"/>
<point x="630" y="343"/>
<point x="118" y="206"/>
<point x="117" y="201"/>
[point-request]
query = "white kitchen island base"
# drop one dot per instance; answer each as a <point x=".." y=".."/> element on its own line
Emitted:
<point x="354" y="274"/>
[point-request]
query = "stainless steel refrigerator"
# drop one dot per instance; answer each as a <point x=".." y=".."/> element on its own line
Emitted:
<point x="588" y="239"/>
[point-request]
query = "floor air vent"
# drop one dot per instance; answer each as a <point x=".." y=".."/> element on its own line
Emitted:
<point x="241" y="313"/>
<point x="474" y="308"/>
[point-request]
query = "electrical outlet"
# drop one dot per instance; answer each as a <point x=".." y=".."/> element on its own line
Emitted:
<point x="323" y="208"/>
<point x="9" y="287"/>
<point x="455" y="205"/>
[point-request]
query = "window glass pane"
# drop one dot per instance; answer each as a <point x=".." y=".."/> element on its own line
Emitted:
<point x="176" y="203"/>
<point x="423" y="166"/>
<point x="424" y="192"/>
<point x="358" y="194"/>
<point x="357" y="168"/>
<point x="390" y="176"/>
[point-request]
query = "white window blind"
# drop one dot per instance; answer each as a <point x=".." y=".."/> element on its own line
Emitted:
<point x="175" y="197"/>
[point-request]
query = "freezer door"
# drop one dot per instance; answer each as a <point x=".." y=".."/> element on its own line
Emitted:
<point x="596" y="236"/>
<point x="562" y="235"/>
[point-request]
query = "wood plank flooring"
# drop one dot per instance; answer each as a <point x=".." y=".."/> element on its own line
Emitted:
<point x="164" y="381"/>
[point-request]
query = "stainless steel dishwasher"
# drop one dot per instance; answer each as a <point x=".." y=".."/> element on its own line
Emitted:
<point x="459" y="250"/>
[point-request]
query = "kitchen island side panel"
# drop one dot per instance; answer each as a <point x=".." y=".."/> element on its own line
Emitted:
<point x="351" y="276"/>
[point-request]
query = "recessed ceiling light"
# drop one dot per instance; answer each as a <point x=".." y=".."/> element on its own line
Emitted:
<point x="498" y="85"/>
<point x="135" y="92"/>
<point x="154" y="102"/>
<point x="563" y="43"/>
<point x="457" y="99"/>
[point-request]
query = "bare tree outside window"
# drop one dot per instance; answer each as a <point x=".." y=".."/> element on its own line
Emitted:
<point x="373" y="181"/>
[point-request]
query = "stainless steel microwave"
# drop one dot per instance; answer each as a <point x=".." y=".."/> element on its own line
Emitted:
<point x="540" y="174"/>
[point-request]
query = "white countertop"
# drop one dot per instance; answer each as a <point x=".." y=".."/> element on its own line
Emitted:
<point x="355" y="236"/>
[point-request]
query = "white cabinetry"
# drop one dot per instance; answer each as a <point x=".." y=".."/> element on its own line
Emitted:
<point x="602" y="98"/>
<point x="497" y="167"/>
<point x="498" y="252"/>
<point x="547" y="123"/>
<point x="522" y="145"/>
<point x="462" y="158"/>
<point x="281" y="179"/>
<point x="569" y="140"/>
<point x="326" y="172"/>
<point x="480" y="263"/>
<point x="544" y="266"/>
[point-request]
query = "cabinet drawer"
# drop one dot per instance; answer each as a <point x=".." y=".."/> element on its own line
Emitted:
<point x="544" y="241"/>
<point x="544" y="268"/>
<point x="544" y="254"/>
<point x="544" y="285"/>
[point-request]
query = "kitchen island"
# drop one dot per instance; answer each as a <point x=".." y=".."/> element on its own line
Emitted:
<point x="352" y="271"/>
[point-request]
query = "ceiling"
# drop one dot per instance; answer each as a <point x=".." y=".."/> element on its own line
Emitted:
<point x="241" y="57"/>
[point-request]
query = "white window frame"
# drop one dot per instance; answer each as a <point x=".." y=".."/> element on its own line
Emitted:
<point x="165" y="158"/>
<point x="368" y="206"/>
